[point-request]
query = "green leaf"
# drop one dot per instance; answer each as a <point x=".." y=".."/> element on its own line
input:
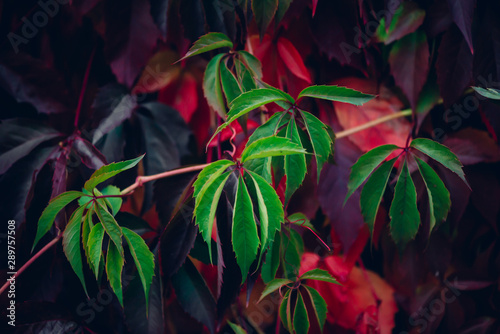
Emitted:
<point x="441" y="154"/>
<point x="50" y="213"/>
<point x="490" y="93"/>
<point x="271" y="147"/>
<point x="230" y="84"/>
<point x="209" y="42"/>
<point x="205" y="207"/>
<point x="295" y="165"/>
<point x="404" y="214"/>
<point x="283" y="6"/>
<point x="244" y="230"/>
<point x="111" y="227"/>
<point x="373" y="191"/>
<point x="114" y="203"/>
<point x="365" y="166"/>
<point x="273" y="286"/>
<point x="320" y="139"/>
<point x="264" y="11"/>
<point x="252" y="63"/>
<point x="319" y="305"/>
<point x="284" y="312"/>
<point x="143" y="258"/>
<point x="209" y="174"/>
<point x="299" y="219"/>
<point x="272" y="262"/>
<point x="71" y="244"/>
<point x="236" y="329"/>
<point x="336" y="93"/>
<point x="439" y="196"/>
<point x="319" y="275"/>
<point x="96" y="238"/>
<point x="108" y="171"/>
<point x="114" y="267"/>
<point x="86" y="228"/>
<point x="300" y="318"/>
<point x="292" y="247"/>
<point x="212" y="88"/>
<point x="245" y="77"/>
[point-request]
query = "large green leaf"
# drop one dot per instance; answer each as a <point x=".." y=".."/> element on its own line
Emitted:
<point x="71" y="244"/>
<point x="114" y="267"/>
<point x="404" y="214"/>
<point x="50" y="213"/>
<point x="441" y="154"/>
<point x="108" y="171"/>
<point x="300" y="319"/>
<point x="319" y="305"/>
<point x="274" y="285"/>
<point x="205" y="207"/>
<point x="439" y="196"/>
<point x="295" y="165"/>
<point x="244" y="231"/>
<point x="96" y="238"/>
<point x="230" y="84"/>
<point x="490" y="93"/>
<point x="143" y="258"/>
<point x="264" y="11"/>
<point x="320" y="139"/>
<point x="373" y="191"/>
<point x="365" y="166"/>
<point x="252" y="63"/>
<point x="336" y="93"/>
<point x="209" y="42"/>
<point x="110" y="225"/>
<point x="272" y="262"/>
<point x="319" y="275"/>
<point x="271" y="147"/>
<point x="212" y="88"/>
<point x="209" y="174"/>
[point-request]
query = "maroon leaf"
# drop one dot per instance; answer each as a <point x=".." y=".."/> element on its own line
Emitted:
<point x="159" y="10"/>
<point x="473" y="146"/>
<point x="59" y="177"/>
<point x="438" y="18"/>
<point x="462" y="12"/>
<point x="91" y="157"/>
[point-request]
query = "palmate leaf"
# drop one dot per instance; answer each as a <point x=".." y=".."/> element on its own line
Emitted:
<point x="336" y="93"/>
<point x="114" y="267"/>
<point x="113" y="230"/>
<point x="490" y="93"/>
<point x="274" y="285"/>
<point x="300" y="318"/>
<point x="439" y="196"/>
<point x="365" y="166"/>
<point x="441" y="154"/>
<point x="404" y="214"/>
<point x="49" y="214"/>
<point x="108" y="171"/>
<point x="271" y="147"/>
<point x="319" y="305"/>
<point x="212" y="88"/>
<point x="295" y="165"/>
<point x="373" y="191"/>
<point x="319" y="275"/>
<point x="71" y="244"/>
<point x="95" y="240"/>
<point x="244" y="237"/>
<point x="209" y="42"/>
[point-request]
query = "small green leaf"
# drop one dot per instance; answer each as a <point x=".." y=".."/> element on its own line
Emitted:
<point x="143" y="258"/>
<point x="252" y="63"/>
<point x="270" y="127"/>
<point x="212" y="88"/>
<point x="114" y="203"/>
<point x="292" y="248"/>
<point x="208" y="175"/>
<point x="490" y="93"/>
<point x="300" y="318"/>
<point x="404" y="214"/>
<point x="114" y="267"/>
<point x="236" y="329"/>
<point x="299" y="219"/>
<point x="108" y="171"/>
<point x="244" y="230"/>
<point x="373" y="191"/>
<point x="230" y="84"/>
<point x="205" y="207"/>
<point x="50" y="213"/>
<point x="111" y="227"/>
<point x="319" y="305"/>
<point x="272" y="262"/>
<point x="96" y="237"/>
<point x="273" y="286"/>
<point x="295" y="165"/>
<point x="441" y="154"/>
<point x="209" y="42"/>
<point x="336" y="93"/>
<point x="264" y="11"/>
<point x="284" y="312"/>
<point x="319" y="275"/>
<point x="439" y="196"/>
<point x="365" y="166"/>
<point x="71" y="244"/>
<point x="271" y="147"/>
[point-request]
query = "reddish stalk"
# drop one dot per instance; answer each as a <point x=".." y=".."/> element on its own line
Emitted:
<point x="84" y="88"/>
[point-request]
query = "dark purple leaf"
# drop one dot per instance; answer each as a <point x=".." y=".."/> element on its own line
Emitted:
<point x="60" y="175"/>
<point x="459" y="194"/>
<point x="478" y="326"/>
<point x="192" y="18"/>
<point x="462" y="12"/>
<point x="453" y="66"/>
<point x="473" y="146"/>
<point x="159" y="12"/>
<point x="470" y="285"/>
<point x="90" y="156"/>
<point x="437" y="18"/>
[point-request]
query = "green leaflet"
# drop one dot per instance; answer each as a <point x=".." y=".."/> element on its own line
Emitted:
<point x="274" y="285"/>
<point x="208" y="175"/>
<point x="439" y="197"/>
<point x="299" y="219"/>
<point x="320" y="139"/>
<point x="245" y="77"/>
<point x="264" y="11"/>
<point x="205" y="207"/>
<point x="114" y="267"/>
<point x="373" y="191"/>
<point x="208" y="42"/>
<point x="300" y="319"/>
<point x="108" y="171"/>
<point x="71" y="244"/>
<point x="271" y="147"/>
<point x="230" y="84"/>
<point x="365" y="166"/>
<point x="272" y="262"/>
<point x="212" y="86"/>
<point x="114" y="203"/>
<point x="319" y="275"/>
<point x="252" y="63"/>
<point x="285" y="311"/>
<point x="236" y="329"/>
<point x="244" y="230"/>
<point x="319" y="305"/>
<point x="292" y="248"/>
<point x="490" y="93"/>
<point x="295" y="165"/>
<point x="50" y="213"/>
<point x="336" y="93"/>
<point x="86" y="228"/>
<point x="96" y="237"/>
<point x="143" y="258"/>
<point x="404" y="214"/>
<point x="282" y="8"/>
<point x="441" y="154"/>
<point x="110" y="225"/>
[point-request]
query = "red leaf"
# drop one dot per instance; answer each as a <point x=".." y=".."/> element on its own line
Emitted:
<point x="292" y="59"/>
<point x="314" y="5"/>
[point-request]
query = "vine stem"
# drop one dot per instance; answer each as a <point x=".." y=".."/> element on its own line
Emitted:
<point x="30" y="261"/>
